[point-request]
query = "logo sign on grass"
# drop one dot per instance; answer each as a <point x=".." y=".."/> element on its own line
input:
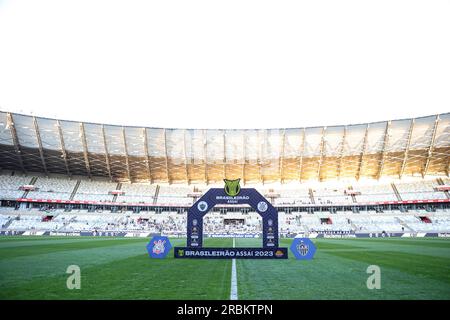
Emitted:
<point x="303" y="248"/>
<point x="159" y="247"/>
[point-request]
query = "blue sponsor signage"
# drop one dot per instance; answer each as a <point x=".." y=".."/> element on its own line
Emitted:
<point x="230" y="253"/>
<point x="159" y="247"/>
<point x="303" y="248"/>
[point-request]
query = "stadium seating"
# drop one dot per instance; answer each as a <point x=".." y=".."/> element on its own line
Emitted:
<point x="331" y="195"/>
<point x="419" y="190"/>
<point x="377" y="223"/>
<point x="4" y="219"/>
<point x="170" y="197"/>
<point x="9" y="186"/>
<point x="174" y="195"/>
<point x="95" y="191"/>
<point x="314" y="224"/>
<point x="134" y="192"/>
<point x="290" y="196"/>
<point x="172" y="223"/>
<point x="52" y="189"/>
<point x="33" y="222"/>
<point x="374" y="192"/>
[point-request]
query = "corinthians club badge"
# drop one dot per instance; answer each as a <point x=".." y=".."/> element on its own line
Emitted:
<point x="159" y="247"/>
<point x="262" y="206"/>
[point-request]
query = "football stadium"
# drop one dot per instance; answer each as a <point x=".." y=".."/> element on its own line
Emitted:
<point x="92" y="195"/>
<point x="211" y="158"/>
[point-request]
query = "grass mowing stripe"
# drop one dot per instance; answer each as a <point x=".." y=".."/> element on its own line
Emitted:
<point x="136" y="277"/>
<point x="415" y="264"/>
<point x="59" y="245"/>
<point x="395" y="283"/>
<point x="444" y="243"/>
<point x="330" y="276"/>
<point x="17" y="270"/>
<point x="375" y="244"/>
<point x="4" y="240"/>
<point x="45" y="240"/>
<point x="124" y="271"/>
<point x="333" y="245"/>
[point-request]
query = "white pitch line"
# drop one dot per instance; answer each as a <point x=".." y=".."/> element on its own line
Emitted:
<point x="234" y="289"/>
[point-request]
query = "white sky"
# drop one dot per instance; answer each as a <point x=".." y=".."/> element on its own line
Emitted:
<point x="225" y="64"/>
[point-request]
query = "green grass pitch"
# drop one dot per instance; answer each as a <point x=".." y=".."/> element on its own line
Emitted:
<point x="119" y="268"/>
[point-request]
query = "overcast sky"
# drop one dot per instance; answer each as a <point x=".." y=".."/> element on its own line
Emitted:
<point x="225" y="64"/>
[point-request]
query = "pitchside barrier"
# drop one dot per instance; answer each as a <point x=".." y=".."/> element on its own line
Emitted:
<point x="149" y="235"/>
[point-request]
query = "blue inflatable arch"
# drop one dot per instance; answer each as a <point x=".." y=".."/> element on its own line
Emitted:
<point x="249" y="196"/>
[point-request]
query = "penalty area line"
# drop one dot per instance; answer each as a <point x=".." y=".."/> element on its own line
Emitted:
<point x="234" y="291"/>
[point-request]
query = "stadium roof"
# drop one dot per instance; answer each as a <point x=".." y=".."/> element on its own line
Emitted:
<point x="419" y="146"/>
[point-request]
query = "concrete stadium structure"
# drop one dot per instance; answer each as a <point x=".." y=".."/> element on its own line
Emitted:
<point x="419" y="146"/>
<point x="60" y="176"/>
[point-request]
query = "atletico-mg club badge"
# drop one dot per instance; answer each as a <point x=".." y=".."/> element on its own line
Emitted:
<point x="303" y="248"/>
